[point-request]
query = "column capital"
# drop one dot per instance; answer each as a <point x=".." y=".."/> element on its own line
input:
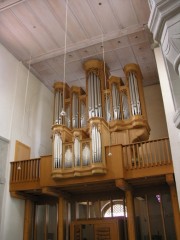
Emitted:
<point x="164" y="23"/>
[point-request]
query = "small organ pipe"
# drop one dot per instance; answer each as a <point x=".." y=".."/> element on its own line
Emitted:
<point x="92" y="141"/>
<point x="89" y="96"/>
<point x="55" y="154"/>
<point x="92" y="95"/>
<point x="60" y="152"/>
<point x="99" y="152"/>
<point x="96" y="144"/>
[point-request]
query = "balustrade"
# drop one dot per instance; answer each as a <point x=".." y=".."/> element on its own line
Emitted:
<point x="25" y="171"/>
<point x="147" y="154"/>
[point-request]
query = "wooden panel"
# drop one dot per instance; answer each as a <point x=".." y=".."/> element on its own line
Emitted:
<point x="106" y="9"/>
<point x="22" y="151"/>
<point x="120" y="12"/>
<point x="86" y="21"/>
<point x="102" y="228"/>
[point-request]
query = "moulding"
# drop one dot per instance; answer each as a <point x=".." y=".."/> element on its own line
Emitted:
<point x="177" y="118"/>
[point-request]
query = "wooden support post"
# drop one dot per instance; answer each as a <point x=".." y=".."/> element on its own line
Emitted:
<point x="175" y="205"/>
<point x="28" y="219"/>
<point x="131" y="217"/>
<point x="61" y="230"/>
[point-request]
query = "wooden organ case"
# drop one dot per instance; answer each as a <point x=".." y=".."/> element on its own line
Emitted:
<point x="109" y="112"/>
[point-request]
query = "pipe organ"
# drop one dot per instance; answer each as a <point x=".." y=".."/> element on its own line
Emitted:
<point x="111" y="111"/>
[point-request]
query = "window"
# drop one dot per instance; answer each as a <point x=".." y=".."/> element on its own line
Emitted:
<point x="115" y="208"/>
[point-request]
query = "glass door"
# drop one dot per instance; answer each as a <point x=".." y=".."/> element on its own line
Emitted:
<point x="45" y="222"/>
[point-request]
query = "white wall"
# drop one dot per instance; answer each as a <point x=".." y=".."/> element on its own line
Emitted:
<point x="174" y="133"/>
<point x="155" y="112"/>
<point x="26" y="111"/>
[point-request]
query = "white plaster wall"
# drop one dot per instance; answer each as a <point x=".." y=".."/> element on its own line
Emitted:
<point x="155" y="112"/>
<point x="26" y="111"/>
<point x="174" y="133"/>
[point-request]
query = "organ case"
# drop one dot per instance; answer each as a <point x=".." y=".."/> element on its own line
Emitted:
<point x="111" y="111"/>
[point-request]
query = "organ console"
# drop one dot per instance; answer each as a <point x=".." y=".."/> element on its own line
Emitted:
<point x="111" y="111"/>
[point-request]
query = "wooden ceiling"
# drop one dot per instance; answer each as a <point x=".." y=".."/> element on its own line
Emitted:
<point x="113" y="30"/>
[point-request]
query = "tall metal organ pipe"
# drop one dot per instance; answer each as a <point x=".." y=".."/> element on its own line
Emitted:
<point x="94" y="96"/>
<point x="75" y="111"/>
<point x="107" y="108"/>
<point x="116" y="102"/>
<point x="58" y="105"/>
<point x="134" y="95"/>
<point x="83" y="115"/>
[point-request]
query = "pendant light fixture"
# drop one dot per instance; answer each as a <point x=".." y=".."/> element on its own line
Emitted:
<point x="27" y="83"/>
<point x="63" y="113"/>
<point x="105" y="80"/>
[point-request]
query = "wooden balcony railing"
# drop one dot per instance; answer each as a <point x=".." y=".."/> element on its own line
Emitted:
<point x="150" y="158"/>
<point x="25" y="172"/>
<point x="149" y="154"/>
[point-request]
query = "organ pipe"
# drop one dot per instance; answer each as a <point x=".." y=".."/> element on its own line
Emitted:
<point x="125" y="106"/>
<point x="77" y="151"/>
<point x="57" y="151"/>
<point x="75" y="110"/>
<point x="68" y="116"/>
<point x="58" y="107"/>
<point x="134" y="95"/>
<point x="107" y="107"/>
<point x="96" y="145"/>
<point x="95" y="78"/>
<point x="116" y="102"/>
<point x="68" y="157"/>
<point x="83" y="115"/>
<point x="86" y="155"/>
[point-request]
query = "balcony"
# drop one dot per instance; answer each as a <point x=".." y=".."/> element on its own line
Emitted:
<point x="127" y="162"/>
